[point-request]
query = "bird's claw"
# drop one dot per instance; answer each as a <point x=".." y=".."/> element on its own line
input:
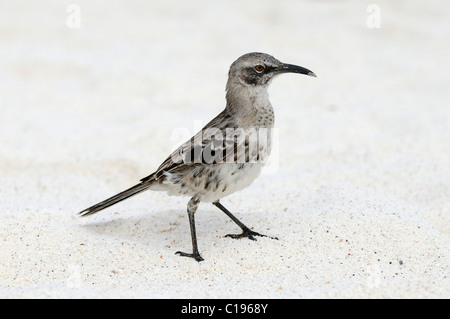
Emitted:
<point x="249" y="234"/>
<point x="196" y="256"/>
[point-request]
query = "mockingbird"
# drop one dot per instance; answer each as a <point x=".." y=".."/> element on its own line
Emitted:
<point x="228" y="153"/>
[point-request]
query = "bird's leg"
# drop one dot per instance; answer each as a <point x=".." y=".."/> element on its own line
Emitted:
<point x="191" y="209"/>
<point x="246" y="232"/>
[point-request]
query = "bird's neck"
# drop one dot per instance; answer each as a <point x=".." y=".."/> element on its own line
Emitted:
<point x="249" y="102"/>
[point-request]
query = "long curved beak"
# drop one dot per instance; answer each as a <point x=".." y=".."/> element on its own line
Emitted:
<point x="291" y="68"/>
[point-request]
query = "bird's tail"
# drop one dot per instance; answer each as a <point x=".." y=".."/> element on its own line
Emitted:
<point x="136" y="189"/>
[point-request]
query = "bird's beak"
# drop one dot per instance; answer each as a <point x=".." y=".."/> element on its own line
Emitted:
<point x="291" y="68"/>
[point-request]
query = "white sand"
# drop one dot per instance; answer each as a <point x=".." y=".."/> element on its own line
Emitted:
<point x="360" y="200"/>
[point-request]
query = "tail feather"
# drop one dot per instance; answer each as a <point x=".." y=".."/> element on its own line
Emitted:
<point x="136" y="189"/>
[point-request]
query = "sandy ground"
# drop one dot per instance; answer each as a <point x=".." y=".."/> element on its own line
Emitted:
<point x="359" y="190"/>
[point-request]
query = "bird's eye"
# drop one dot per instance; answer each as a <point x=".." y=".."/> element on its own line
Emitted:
<point x="259" y="68"/>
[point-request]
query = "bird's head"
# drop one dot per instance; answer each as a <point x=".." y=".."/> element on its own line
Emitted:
<point x="253" y="69"/>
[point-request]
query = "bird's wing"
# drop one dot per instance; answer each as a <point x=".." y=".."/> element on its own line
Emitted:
<point x="205" y="147"/>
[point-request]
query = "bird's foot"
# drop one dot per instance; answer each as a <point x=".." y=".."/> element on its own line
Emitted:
<point x="249" y="234"/>
<point x="195" y="255"/>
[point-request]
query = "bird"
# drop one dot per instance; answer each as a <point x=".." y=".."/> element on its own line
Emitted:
<point x="227" y="154"/>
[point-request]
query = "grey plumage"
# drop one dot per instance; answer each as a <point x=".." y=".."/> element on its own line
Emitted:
<point x="214" y="163"/>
